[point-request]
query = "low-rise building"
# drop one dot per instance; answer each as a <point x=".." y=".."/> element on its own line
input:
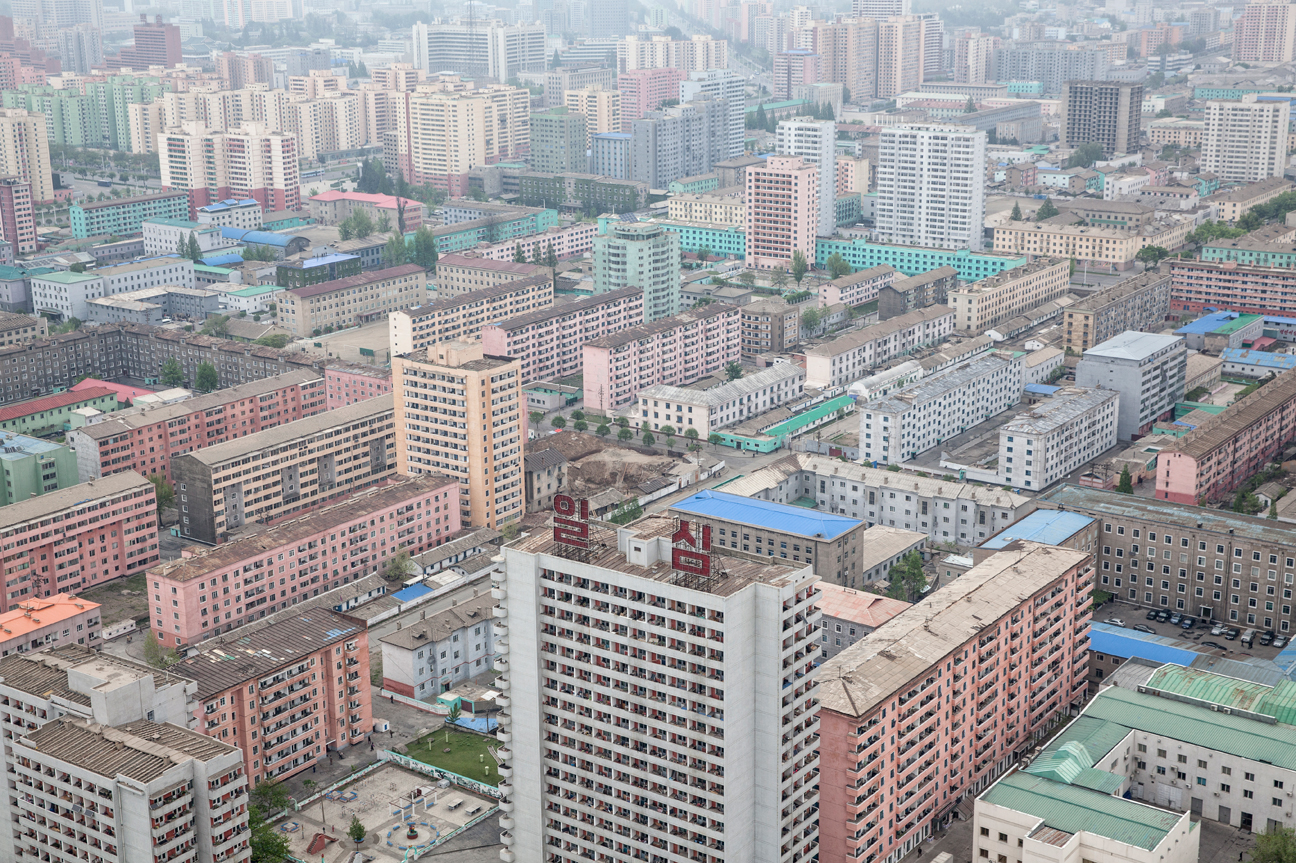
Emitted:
<point x="281" y="471"/>
<point x="314" y="554"/>
<point x="348" y="383"/>
<point x="721" y="206"/>
<point x="30" y="467"/>
<point x="165" y="236"/>
<point x="125" y="217"/>
<point x="1045" y="526"/>
<point x="232" y="213"/>
<point x="1029" y="604"/>
<point x="899" y="426"/>
<point x="728" y="404"/>
<point x="463" y="316"/>
<point x="326" y="266"/>
<point x="16" y="329"/>
<point x="1056" y="435"/>
<point x="916" y="292"/>
<point x="159" y="305"/>
<point x="675" y="350"/>
<point x="769" y="327"/>
<point x="545" y="473"/>
<point x="849" y="615"/>
<point x="334" y="207"/>
<point x="45" y="415"/>
<point x="847" y="358"/>
<point x="352" y="300"/>
<point x="36" y="624"/>
<point x="1230" y="205"/>
<point x="1219" y="331"/>
<point x="981" y="305"/>
<point x="1202" y="371"/>
<point x="74" y="538"/>
<point x="1039" y="366"/>
<point x="1140" y="302"/>
<point x="1197" y="286"/>
<point x="461" y="274"/>
<point x="1177" y="132"/>
<point x="548" y="340"/>
<point x="1147" y="369"/>
<point x="1108" y="249"/>
<point x="432" y="655"/>
<point x="1125" y="215"/>
<point x="857" y="288"/>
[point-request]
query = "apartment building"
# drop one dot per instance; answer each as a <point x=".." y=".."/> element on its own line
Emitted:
<point x="463" y="316"/>
<point x="144" y="439"/>
<point x="1246" y="141"/>
<point x="1032" y="598"/>
<point x="1140" y="302"/>
<point x="1147" y="369"/>
<point x="447" y="133"/>
<point x="782" y="211"/>
<point x="677" y="350"/>
<point x="1050" y="62"/>
<point x="814" y="141"/>
<point x="40" y="623"/>
<point x="71" y="539"/>
<point x="17" y="215"/>
<point x="1216" y="457"/>
<point x="1177" y="132"/>
<point x="352" y="300"/>
<point x="284" y="470"/>
<point x="683" y="140"/>
<point x="438" y="390"/>
<point x="723" y="206"/>
<point x="369" y="528"/>
<point x="847" y="49"/>
<point x="644" y="90"/>
<point x="480" y="49"/>
<point x="558" y="81"/>
<point x="299" y="690"/>
<point x="125" y="216"/>
<point x="1053" y="437"/>
<point x="559" y="140"/>
<point x="1104" y="249"/>
<point x="978" y="306"/>
<point x="347" y="383"/>
<point x="432" y="655"/>
<point x="720" y="406"/>
<point x="45" y="415"/>
<point x="1200" y="285"/>
<point x="1265" y="33"/>
<point x="549" y="341"/>
<point x="601" y="109"/>
<point x="715" y="604"/>
<point x="857" y="288"/>
<point x="848" y="358"/>
<point x="334" y="207"/>
<point x="1109" y="113"/>
<point x="545" y="473"/>
<point x="698" y="53"/>
<point x="769" y="327"/>
<point x="1232" y="204"/>
<point x="726" y="84"/>
<point x="901" y="42"/>
<point x="917" y="417"/>
<point x="459" y="274"/>
<point x="930" y="186"/>
<point x="245" y="161"/>
<point x="640" y="255"/>
<point x="25" y="151"/>
<point x="916" y="292"/>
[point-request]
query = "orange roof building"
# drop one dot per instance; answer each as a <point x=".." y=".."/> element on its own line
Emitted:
<point x="849" y="615"/>
<point x="50" y="621"/>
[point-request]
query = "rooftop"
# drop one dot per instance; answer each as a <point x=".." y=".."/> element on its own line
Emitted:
<point x="1121" y="290"/>
<point x="125" y="202"/>
<point x="871" y="671"/>
<point x="73" y="497"/>
<point x="32" y="614"/>
<point x="1264" y="359"/>
<point x="867" y="609"/>
<point x="727" y="391"/>
<point x="1132" y="345"/>
<point x="229" y="204"/>
<point x="780" y="517"/>
<point x="937" y="385"/>
<point x="1047" y="526"/>
<point x="142" y="750"/>
<point x="873" y="332"/>
<point x="1224" y="427"/>
<point x="1064" y="406"/>
<point x="908" y="283"/>
<point x="520" y="322"/>
<point x="1008" y="277"/>
<point x="254" y="237"/>
<point x="475" y="262"/>
<point x="356" y="281"/>
<point x="441" y="625"/>
<point x="472" y="298"/>
<point x="54" y="402"/>
<point x="1252" y="190"/>
<point x="543" y="460"/>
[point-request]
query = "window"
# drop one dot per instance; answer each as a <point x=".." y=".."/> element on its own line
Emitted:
<point x="1248" y="794"/>
<point x="1225" y="787"/>
<point x="1003" y="837"/>
<point x="985" y="831"/>
<point x="1278" y="783"/>
<point x="1250" y="777"/>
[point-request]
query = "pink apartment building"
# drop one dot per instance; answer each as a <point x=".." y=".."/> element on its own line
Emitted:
<point x="145" y="441"/>
<point x="218" y="589"/>
<point x="1212" y="460"/>
<point x="74" y="538"/>
<point x="567" y="242"/>
<point x="856" y="289"/>
<point x="792" y="69"/>
<point x="35" y="624"/>
<point x="782" y="211"/>
<point x="549" y="341"/>
<point x="347" y="383"/>
<point x="644" y="90"/>
<point x="676" y="350"/>
<point x="930" y="707"/>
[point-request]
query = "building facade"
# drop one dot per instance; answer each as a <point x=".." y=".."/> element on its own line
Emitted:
<point x="782" y="211"/>
<point x="463" y="316"/>
<point x="1044" y="443"/>
<point x="1102" y="112"/>
<point x="1246" y="141"/>
<point x="848" y="358"/>
<point x="441" y="650"/>
<point x="728" y="404"/>
<point x="930" y="186"/>
<point x="814" y="141"/>
<point x="126" y="216"/>
<point x="1148" y="370"/>
<point x="1140" y="302"/>
<point x="352" y="300"/>
<point x="978" y="306"/>
<point x="644" y="256"/>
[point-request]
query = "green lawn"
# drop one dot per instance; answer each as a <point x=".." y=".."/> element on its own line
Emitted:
<point x="467" y="756"/>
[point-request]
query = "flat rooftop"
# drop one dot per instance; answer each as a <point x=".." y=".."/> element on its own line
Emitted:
<point x="1047" y="526"/>
<point x="140" y="750"/>
<point x="357" y="281"/>
<point x="72" y="497"/>
<point x="780" y="517"/>
<point x="1064" y="406"/>
<point x="1132" y="345"/>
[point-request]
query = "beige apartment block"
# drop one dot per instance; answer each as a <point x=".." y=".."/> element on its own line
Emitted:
<point x="459" y="274"/>
<point x="1108" y="248"/>
<point x="1245" y="141"/>
<point x="661" y="52"/>
<point x="980" y="305"/>
<point x="328" y="124"/>
<point x="24" y="151"/>
<point x="463" y="316"/>
<point x="315" y="83"/>
<point x="1138" y="303"/>
<point x="721" y="207"/>
<point x="602" y="110"/>
<point x="460" y="413"/>
<point x="1177" y="132"/>
<point x="284" y="470"/>
<point x="1232" y="204"/>
<point x="352" y="300"/>
<point x="452" y="132"/>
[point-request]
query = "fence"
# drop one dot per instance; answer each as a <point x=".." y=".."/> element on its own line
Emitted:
<point x="419" y="767"/>
<point x="350" y="777"/>
<point x="426" y="706"/>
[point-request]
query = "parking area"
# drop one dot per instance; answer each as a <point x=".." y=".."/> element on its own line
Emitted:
<point x="1136" y="617"/>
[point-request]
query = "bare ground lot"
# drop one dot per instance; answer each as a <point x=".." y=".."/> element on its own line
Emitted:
<point x="595" y="464"/>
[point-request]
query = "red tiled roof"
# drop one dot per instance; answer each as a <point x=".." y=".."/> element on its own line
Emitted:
<point x="125" y="392"/>
<point x="868" y="609"/>
<point x="377" y="200"/>
<point x="58" y="400"/>
<point x="486" y="264"/>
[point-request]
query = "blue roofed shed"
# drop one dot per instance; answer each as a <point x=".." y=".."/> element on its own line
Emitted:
<point x="778" y="517"/>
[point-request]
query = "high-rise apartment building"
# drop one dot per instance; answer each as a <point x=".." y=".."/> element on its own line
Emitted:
<point x="721" y="84"/>
<point x="1102" y="112"/>
<point x="460" y="413"/>
<point x="24" y="152"/>
<point x="17" y="215"/>
<point x="1245" y="141"/>
<point x="640" y="255"/>
<point x="696" y="54"/>
<point x="1265" y="33"/>
<point x="602" y="110"/>
<point x="247" y="161"/>
<point x="880" y="8"/>
<point x="156" y="44"/>
<point x="559" y="81"/>
<point x="901" y="43"/>
<point x="481" y="48"/>
<point x="782" y="211"/>
<point x="930" y="187"/>
<point x="608" y="19"/>
<point x="239" y="13"/>
<point x="735" y="762"/>
<point x="847" y="50"/>
<point x="792" y="69"/>
<point x="558" y="138"/>
<point x="1051" y="63"/>
<point x="644" y="90"/>
<point x="239" y="71"/>
<point x="80" y="49"/>
<point x="973" y="54"/>
<point x="1149" y="370"/>
<point x="332" y="124"/>
<point x="815" y="141"/>
<point x="46" y="17"/>
<point x="679" y="141"/>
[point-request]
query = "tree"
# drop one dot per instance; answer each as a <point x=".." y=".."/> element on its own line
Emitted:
<point x="970" y="107"/>
<point x="384" y="224"/>
<point x="278" y="341"/>
<point x="268" y="845"/>
<point x="624" y="422"/>
<point x="519" y="257"/>
<point x="1150" y="255"/>
<point x="536" y="417"/>
<point x="155" y="654"/>
<point x="837" y="266"/>
<point x="714" y="439"/>
<point x="799" y="266"/>
<point x="1126" y="483"/>
<point x="810" y="320"/>
<point x="667" y="430"/>
<point x="172" y="376"/>
<point x="1016" y="213"/>
<point x="182" y="246"/>
<point x="216" y="325"/>
<point x="164" y="491"/>
<point x="395" y="252"/>
<point x="559" y="422"/>
<point x="734" y="371"/>
<point x="704" y="254"/>
<point x="747" y="277"/>
<point x="1276" y="845"/>
<point x="550" y="259"/>
<point x="195" y="251"/>
<point x="691" y="433"/>
<point x="345" y="231"/>
<point x="1046" y="211"/>
<point x="603" y="430"/>
<point x="648" y="439"/>
<point x="907" y="578"/>
<point x="625" y="434"/>
<point x="580" y="425"/>
<point x="1250" y="220"/>
<point x="206" y="378"/>
<point x="1085" y="155"/>
<point x="357" y="830"/>
<point x="397" y="567"/>
<point x="425" y="248"/>
<point x="779" y="279"/>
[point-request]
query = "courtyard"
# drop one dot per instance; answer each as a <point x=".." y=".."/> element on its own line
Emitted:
<point x="469" y="754"/>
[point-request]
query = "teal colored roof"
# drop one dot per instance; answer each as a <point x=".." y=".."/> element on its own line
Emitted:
<point x="203" y="268"/>
<point x="67" y="278"/>
<point x="255" y="290"/>
<point x="12" y="274"/>
<point x="1277" y="701"/>
<point x="1073" y="809"/>
<point x="763" y="513"/>
<point x="178" y="223"/>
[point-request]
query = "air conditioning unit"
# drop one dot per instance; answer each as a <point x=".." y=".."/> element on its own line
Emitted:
<point x="1215" y="793"/>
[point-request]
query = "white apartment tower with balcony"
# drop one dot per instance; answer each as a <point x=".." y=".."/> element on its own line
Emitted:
<point x="1245" y="141"/>
<point x="727" y="85"/>
<point x="648" y="708"/>
<point x="815" y="141"/>
<point x="930" y="186"/>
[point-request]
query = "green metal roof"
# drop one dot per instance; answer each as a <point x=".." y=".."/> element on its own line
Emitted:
<point x="203" y="268"/>
<point x="67" y="278"/>
<point x="12" y="274"/>
<point x="254" y="290"/>
<point x="1236" y="324"/>
<point x="1277" y="701"/>
<point x="1097" y="736"/>
<point x="1073" y="809"/>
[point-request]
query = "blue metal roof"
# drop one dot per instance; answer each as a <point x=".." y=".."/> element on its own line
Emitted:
<point x="1041" y="389"/>
<point x="227" y="203"/>
<point x="1048" y="526"/>
<point x="1118" y="641"/>
<point x="1208" y="323"/>
<point x="1263" y="359"/>
<point x="411" y="593"/>
<point x="324" y="260"/>
<point x="222" y="260"/>
<point x="260" y="238"/>
<point x="763" y="513"/>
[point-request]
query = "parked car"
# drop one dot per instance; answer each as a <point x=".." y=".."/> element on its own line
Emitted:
<point x="1189" y="622"/>
<point x="1280" y="642"/>
<point x="1266" y="638"/>
<point x="1152" y="615"/>
<point x="1143" y="627"/>
<point x="1176" y="618"/>
<point x="1114" y="621"/>
<point x="1163" y="615"/>
<point x="1232" y="634"/>
<point x="1218" y="629"/>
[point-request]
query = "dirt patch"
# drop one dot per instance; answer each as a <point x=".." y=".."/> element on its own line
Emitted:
<point x="121" y="598"/>
<point x="596" y="464"/>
